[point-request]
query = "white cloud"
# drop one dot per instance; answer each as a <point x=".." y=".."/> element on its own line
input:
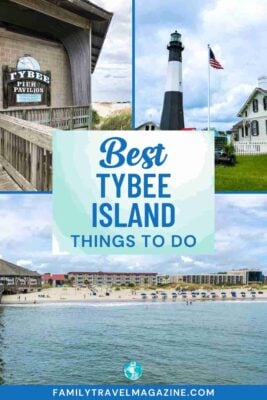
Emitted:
<point x="24" y="263"/>
<point x="112" y="78"/>
<point x="236" y="32"/>
<point x="186" y="259"/>
<point x="241" y="238"/>
<point x="234" y="16"/>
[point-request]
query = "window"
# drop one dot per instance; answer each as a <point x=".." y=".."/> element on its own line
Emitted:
<point x="147" y="128"/>
<point x="265" y="102"/>
<point x="152" y="127"/>
<point x="246" y="113"/>
<point x="254" y="128"/>
<point x="255" y="105"/>
<point x="266" y="126"/>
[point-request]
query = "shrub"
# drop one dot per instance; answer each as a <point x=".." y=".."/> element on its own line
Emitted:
<point x="121" y="120"/>
<point x="95" y="118"/>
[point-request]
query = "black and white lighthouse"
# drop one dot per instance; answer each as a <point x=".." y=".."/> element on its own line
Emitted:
<point x="173" y="114"/>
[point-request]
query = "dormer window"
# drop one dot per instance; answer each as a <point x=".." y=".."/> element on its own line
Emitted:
<point x="255" y="105"/>
<point x="265" y="102"/>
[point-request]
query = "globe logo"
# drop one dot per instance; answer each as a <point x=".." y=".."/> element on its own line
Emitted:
<point x="28" y="62"/>
<point x="133" y="370"/>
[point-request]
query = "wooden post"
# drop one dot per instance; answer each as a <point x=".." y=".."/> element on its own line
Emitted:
<point x="71" y="125"/>
<point x="89" y="124"/>
<point x="5" y="86"/>
<point x="50" y="117"/>
<point x="34" y="165"/>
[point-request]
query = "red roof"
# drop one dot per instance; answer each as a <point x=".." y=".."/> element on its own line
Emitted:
<point x="54" y="277"/>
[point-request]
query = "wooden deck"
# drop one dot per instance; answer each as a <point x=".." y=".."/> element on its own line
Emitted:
<point x="6" y="182"/>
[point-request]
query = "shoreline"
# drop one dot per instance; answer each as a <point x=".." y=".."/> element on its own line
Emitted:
<point x="73" y="296"/>
<point x="137" y="301"/>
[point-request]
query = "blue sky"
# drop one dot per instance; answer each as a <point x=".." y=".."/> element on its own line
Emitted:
<point x="241" y="239"/>
<point x="236" y="31"/>
<point x="112" y="79"/>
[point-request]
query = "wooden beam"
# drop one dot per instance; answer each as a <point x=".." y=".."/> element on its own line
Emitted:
<point x="37" y="134"/>
<point x="16" y="176"/>
<point x="44" y="7"/>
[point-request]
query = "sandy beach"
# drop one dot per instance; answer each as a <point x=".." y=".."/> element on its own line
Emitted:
<point x="69" y="294"/>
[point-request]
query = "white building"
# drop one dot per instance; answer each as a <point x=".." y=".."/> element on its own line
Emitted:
<point x="253" y="127"/>
<point x="235" y="277"/>
<point x="148" y="126"/>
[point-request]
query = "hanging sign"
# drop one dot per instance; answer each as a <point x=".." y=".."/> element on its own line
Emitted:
<point x="26" y="85"/>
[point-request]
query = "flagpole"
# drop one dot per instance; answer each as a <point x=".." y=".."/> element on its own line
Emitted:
<point x="208" y="87"/>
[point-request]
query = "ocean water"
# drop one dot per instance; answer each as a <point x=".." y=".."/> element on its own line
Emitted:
<point x="81" y="343"/>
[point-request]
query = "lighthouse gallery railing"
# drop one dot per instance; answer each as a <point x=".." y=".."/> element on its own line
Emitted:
<point x="26" y="153"/>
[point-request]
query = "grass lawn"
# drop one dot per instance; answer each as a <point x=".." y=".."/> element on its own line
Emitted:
<point x="249" y="174"/>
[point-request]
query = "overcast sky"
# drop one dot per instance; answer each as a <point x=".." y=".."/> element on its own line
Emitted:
<point x="241" y="239"/>
<point x="112" y="79"/>
<point x="236" y="31"/>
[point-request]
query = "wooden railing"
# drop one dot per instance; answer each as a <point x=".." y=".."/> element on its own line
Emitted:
<point x="26" y="153"/>
<point x="66" y="118"/>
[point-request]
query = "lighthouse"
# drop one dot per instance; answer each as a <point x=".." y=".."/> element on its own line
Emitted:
<point x="173" y="114"/>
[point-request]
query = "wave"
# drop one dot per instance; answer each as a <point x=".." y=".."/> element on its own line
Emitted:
<point x="136" y="303"/>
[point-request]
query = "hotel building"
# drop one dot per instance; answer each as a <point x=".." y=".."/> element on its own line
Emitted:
<point x="235" y="277"/>
<point x="112" y="278"/>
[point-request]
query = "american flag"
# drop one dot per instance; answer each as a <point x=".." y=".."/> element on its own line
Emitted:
<point x="213" y="62"/>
